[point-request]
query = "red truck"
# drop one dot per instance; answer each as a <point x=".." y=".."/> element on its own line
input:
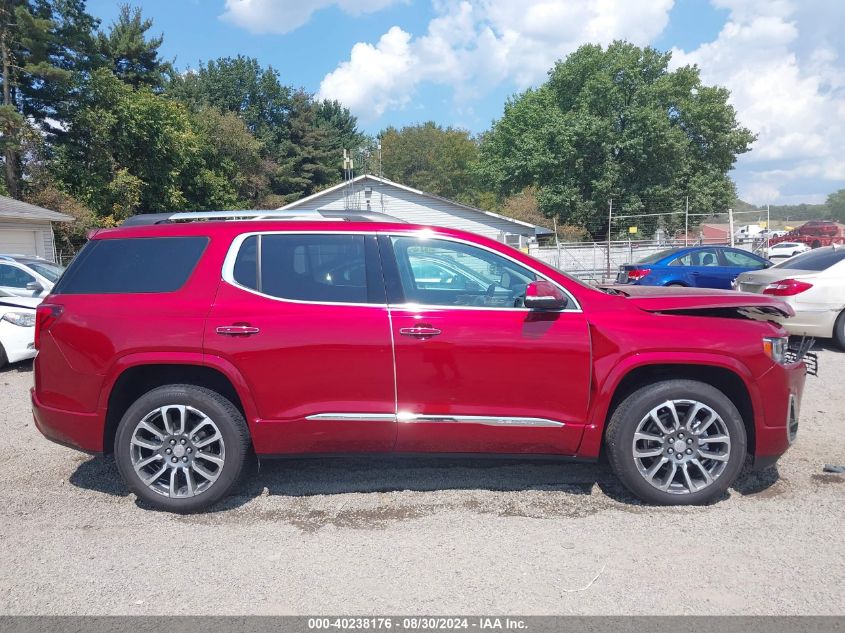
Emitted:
<point x="815" y="234"/>
<point x="184" y="347"/>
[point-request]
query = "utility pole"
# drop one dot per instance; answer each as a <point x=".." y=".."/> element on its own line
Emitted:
<point x="557" y="241"/>
<point x="609" y="230"/>
<point x="731" y="224"/>
<point x="686" y="223"/>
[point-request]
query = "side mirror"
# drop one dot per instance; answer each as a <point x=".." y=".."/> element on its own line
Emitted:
<point x="34" y="286"/>
<point x="544" y="295"/>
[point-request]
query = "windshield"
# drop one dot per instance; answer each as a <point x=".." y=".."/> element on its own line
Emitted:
<point x="50" y="271"/>
<point x="819" y="259"/>
<point x="656" y="257"/>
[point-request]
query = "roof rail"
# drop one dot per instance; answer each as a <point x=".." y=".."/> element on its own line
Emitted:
<point x="145" y="219"/>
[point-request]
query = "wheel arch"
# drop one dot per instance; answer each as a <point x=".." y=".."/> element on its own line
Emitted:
<point x="729" y="377"/>
<point x="133" y="379"/>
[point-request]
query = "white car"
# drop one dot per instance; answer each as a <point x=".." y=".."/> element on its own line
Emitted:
<point x="786" y="249"/>
<point x="17" y="327"/>
<point x="813" y="283"/>
<point x="28" y="276"/>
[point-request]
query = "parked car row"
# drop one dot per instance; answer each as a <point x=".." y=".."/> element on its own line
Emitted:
<point x="812" y="281"/>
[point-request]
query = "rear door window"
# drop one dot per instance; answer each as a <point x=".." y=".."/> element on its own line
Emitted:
<point x="133" y="265"/>
<point x="738" y="259"/>
<point x="331" y="268"/>
<point x="702" y="257"/>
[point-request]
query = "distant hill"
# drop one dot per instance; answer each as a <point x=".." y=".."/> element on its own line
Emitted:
<point x="788" y="211"/>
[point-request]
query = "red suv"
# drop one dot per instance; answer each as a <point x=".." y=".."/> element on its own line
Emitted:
<point x="184" y="347"/>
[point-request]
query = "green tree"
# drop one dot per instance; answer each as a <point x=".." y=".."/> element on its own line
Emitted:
<point x="616" y="124"/>
<point x="303" y="137"/>
<point x="836" y="205"/>
<point x="240" y="85"/>
<point x="130" y="54"/>
<point x="432" y="158"/>
<point x="127" y="150"/>
<point x="42" y="43"/>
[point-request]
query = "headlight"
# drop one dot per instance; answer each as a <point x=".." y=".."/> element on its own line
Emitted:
<point x="23" y="319"/>
<point x="775" y="348"/>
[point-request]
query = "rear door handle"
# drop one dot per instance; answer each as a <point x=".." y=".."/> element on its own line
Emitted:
<point x="237" y="330"/>
<point x="419" y="331"/>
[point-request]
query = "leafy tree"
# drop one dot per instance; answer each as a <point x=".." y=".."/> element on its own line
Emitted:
<point x="41" y="44"/>
<point x="524" y="206"/>
<point x="130" y="54"/>
<point x="234" y="174"/>
<point x="432" y="158"/>
<point x="836" y="204"/>
<point x="303" y="137"/>
<point x="126" y="150"/>
<point x="615" y="123"/>
<point x="240" y="85"/>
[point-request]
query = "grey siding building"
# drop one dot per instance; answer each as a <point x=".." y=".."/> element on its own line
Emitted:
<point x="371" y="193"/>
<point x="26" y="229"/>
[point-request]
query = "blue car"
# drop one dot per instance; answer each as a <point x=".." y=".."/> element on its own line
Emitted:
<point x="695" y="266"/>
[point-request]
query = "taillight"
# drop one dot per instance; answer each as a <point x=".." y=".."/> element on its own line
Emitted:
<point x="45" y="315"/>
<point x="638" y="273"/>
<point x="786" y="288"/>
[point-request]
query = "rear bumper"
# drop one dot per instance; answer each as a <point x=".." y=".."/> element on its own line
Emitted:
<point x="82" y="431"/>
<point x="811" y="322"/>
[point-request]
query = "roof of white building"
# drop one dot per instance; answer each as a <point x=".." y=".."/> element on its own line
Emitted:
<point x="539" y="230"/>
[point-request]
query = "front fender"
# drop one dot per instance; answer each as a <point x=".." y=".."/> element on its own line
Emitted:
<point x="597" y="417"/>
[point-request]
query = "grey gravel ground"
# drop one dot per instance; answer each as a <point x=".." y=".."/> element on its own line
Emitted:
<point x="386" y="536"/>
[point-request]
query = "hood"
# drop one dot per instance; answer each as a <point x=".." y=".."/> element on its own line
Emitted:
<point x="19" y="302"/>
<point x="702" y="301"/>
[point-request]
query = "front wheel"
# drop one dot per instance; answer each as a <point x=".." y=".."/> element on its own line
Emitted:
<point x="678" y="442"/>
<point x="181" y="448"/>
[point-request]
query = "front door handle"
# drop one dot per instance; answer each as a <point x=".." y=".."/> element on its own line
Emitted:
<point x="419" y="331"/>
<point x="237" y="330"/>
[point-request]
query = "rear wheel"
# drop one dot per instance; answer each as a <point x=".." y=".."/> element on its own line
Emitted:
<point x="839" y="330"/>
<point x="678" y="442"/>
<point x="675" y="285"/>
<point x="181" y="448"/>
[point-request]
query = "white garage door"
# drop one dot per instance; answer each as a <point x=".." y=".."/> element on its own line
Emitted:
<point x="18" y="242"/>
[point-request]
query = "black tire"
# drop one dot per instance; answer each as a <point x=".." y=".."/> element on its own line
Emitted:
<point x="674" y="285"/>
<point x="633" y="409"/>
<point x="839" y="331"/>
<point x="3" y="358"/>
<point x="226" y="417"/>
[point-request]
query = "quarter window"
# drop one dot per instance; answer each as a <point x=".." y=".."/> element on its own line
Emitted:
<point x="320" y="268"/>
<point x="441" y="272"/>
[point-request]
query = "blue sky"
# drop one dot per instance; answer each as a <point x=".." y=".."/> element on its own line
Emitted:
<point x="397" y="62"/>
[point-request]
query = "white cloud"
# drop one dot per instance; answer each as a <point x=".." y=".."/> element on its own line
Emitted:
<point x="284" y="16"/>
<point x="784" y="67"/>
<point x="472" y="45"/>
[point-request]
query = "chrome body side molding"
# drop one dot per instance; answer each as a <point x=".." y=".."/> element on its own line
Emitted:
<point x="411" y="418"/>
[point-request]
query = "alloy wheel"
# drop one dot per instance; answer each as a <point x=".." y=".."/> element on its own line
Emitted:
<point x="681" y="446"/>
<point x="177" y="451"/>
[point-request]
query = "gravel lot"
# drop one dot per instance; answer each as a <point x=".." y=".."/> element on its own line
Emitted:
<point x="388" y="536"/>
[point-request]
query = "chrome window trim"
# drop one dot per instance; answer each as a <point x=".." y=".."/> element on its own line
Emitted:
<point x="234" y="248"/>
<point x="416" y="418"/>
<point x="448" y="238"/>
<point x="228" y="273"/>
